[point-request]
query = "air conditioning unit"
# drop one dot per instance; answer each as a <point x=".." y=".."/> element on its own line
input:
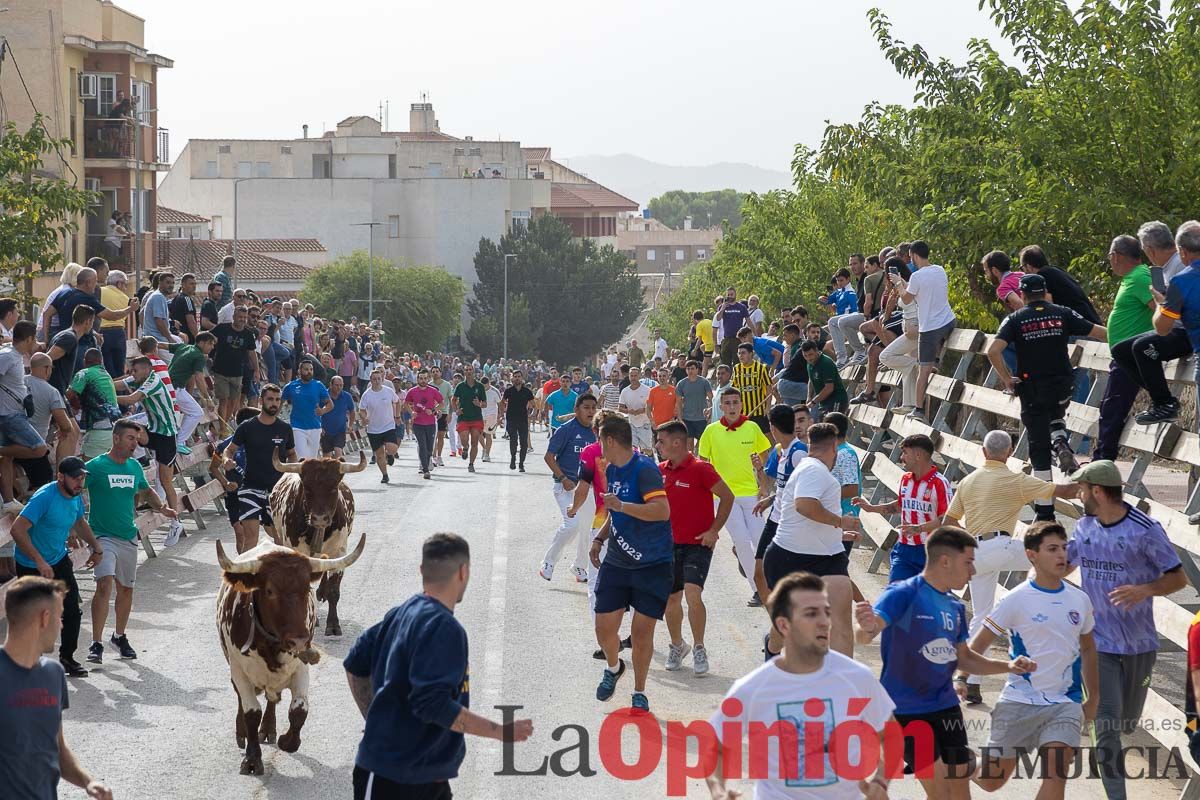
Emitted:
<point x="91" y="184"/>
<point x="89" y="85"/>
<point x="223" y="148"/>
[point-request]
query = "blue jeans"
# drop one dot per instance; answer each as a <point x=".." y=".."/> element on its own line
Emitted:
<point x="268" y="357"/>
<point x="113" y="351"/>
<point x="793" y="393"/>
<point x="16" y="429"/>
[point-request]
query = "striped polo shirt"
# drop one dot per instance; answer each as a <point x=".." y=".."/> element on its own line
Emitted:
<point x="160" y="411"/>
<point x="922" y="500"/>
<point x="991" y="498"/>
<point x="753" y="380"/>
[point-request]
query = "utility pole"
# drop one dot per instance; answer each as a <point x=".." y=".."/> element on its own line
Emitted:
<point x="507" y="256"/>
<point x="370" y="267"/>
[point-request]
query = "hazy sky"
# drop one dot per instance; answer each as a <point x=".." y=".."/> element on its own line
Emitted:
<point x="678" y="82"/>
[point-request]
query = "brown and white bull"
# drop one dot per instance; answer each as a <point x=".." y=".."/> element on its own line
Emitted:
<point x="266" y="615"/>
<point x="314" y="512"/>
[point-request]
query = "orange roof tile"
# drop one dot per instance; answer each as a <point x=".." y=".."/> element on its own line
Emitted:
<point x="588" y="195"/>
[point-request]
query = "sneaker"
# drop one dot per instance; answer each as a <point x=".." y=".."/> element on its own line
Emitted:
<point x="639" y="704"/>
<point x="512" y="465"/>
<point x="1194" y="519"/>
<point x="859" y="358"/>
<point x="521" y="468"/>
<point x="974" y="694"/>
<point x="385" y="479"/>
<point x="864" y="397"/>
<point x="903" y="411"/>
<point x="183" y="450"/>
<point x="122" y="643"/>
<point x="12" y="507"/>
<point x="1164" y="412"/>
<point x="626" y="644"/>
<point x="470" y="467"/>
<point x="580" y="574"/>
<point x="463" y="454"/>
<point x="917" y="415"/>
<point x="754" y="602"/>
<point x="841" y="362"/>
<point x="427" y="476"/>
<point x="372" y="461"/>
<point x="608" y="682"/>
<point x="96" y="653"/>
<point x="486" y="458"/>
<point x="546" y="571"/>
<point x="73" y="668"/>
<point x="1063" y="454"/>
<point x="700" y="660"/>
<point x="675" y="655"/>
<point x="391" y="459"/>
<point x="173" y="533"/>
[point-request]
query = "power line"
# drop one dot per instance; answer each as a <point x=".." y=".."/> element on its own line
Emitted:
<point x="6" y="47"/>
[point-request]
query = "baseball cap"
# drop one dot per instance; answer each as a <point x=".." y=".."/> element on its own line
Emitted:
<point x="1099" y="473"/>
<point x="1033" y="283"/>
<point x="72" y="467"/>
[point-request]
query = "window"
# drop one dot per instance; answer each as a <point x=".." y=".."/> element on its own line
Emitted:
<point x="321" y="167"/>
<point x="139" y="92"/>
<point x="262" y="169"/>
<point x="392" y="165"/>
<point x="650" y="254"/>
<point x="139" y="204"/>
<point x="244" y="169"/>
<point x="285" y="149"/>
<point x="394" y="226"/>
<point x="679" y="255"/>
<point x="223" y="148"/>
<point x="520" y="220"/>
<point x="210" y="169"/>
<point x="700" y="254"/>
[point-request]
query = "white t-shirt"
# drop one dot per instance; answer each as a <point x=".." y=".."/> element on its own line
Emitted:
<point x="609" y="362"/>
<point x="636" y="398"/>
<point x="769" y="695"/>
<point x="718" y="331"/>
<point x="379" y="405"/>
<point x="787" y="465"/>
<point x="492" y="396"/>
<point x="225" y="313"/>
<point x="931" y="288"/>
<point x="660" y="349"/>
<point x="798" y="533"/>
<point x="756" y="317"/>
<point x="1044" y="625"/>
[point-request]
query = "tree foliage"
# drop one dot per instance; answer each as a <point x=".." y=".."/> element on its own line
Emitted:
<point x="707" y="209"/>
<point x="567" y="298"/>
<point x="39" y="210"/>
<point x="419" y="306"/>
<point x="1084" y="138"/>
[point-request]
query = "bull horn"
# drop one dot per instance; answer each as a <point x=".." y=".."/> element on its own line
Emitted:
<point x="362" y="464"/>
<point x="338" y="564"/>
<point x="235" y="567"/>
<point x="282" y="467"/>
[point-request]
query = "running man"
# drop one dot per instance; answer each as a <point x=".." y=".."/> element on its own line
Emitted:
<point x="443" y="412"/>
<point x="693" y="399"/>
<point x="309" y="400"/>
<point x="378" y="402"/>
<point x="468" y="401"/>
<point x="610" y="393"/>
<point x="635" y="398"/>
<point x="115" y="483"/>
<point x="336" y="420"/>
<point x="562" y="456"/>
<point x="514" y="407"/>
<point x="491" y="416"/>
<point x="691" y="485"/>
<point x="423" y="399"/>
<point x="261" y="437"/>
<point x="560" y="404"/>
<point x="637" y="570"/>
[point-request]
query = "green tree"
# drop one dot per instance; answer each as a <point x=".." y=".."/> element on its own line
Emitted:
<point x="707" y="209"/>
<point x="576" y="296"/>
<point x="419" y="306"/>
<point x="40" y="210"/>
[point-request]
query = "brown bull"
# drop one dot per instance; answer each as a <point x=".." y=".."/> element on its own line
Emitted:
<point x="265" y="620"/>
<point x="314" y="512"/>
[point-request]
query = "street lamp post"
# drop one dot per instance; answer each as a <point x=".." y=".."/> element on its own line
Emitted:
<point x="236" y="183"/>
<point x="507" y="256"/>
<point x="370" y="267"/>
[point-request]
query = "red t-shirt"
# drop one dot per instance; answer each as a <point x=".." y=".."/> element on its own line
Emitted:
<point x="689" y="493"/>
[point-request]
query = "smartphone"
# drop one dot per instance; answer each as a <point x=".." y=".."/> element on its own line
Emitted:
<point x="893" y="270"/>
<point x="1157" y="280"/>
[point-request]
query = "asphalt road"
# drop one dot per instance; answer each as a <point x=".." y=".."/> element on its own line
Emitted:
<point x="162" y="726"/>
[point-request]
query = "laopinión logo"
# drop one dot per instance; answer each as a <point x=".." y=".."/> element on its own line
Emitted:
<point x="811" y="753"/>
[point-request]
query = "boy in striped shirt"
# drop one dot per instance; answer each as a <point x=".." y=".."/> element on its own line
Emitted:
<point x="753" y="379"/>
<point x="146" y="387"/>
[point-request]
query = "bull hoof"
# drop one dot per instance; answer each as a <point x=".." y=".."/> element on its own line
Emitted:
<point x="309" y="656"/>
<point x="266" y="737"/>
<point x="289" y="743"/>
<point x="241" y="741"/>
<point x="333" y="629"/>
<point x="252" y="766"/>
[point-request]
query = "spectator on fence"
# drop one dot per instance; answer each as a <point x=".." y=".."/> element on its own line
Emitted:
<point x="187" y="374"/>
<point x="18" y="438"/>
<point x="884" y="328"/>
<point x="113" y="296"/>
<point x="987" y="506"/>
<point x="928" y="286"/>
<point x="842" y="302"/>
<point x="224" y="276"/>
<point x="731" y="315"/>
<point x="1125" y="560"/>
<point x="1131" y="316"/>
<point x="792" y="380"/>
<point x="1179" y="308"/>
<point x="156" y="319"/>
<point x="83" y="293"/>
<point x="1063" y="290"/>
<point x="93" y="393"/>
<point x="68" y="346"/>
<point x="182" y="309"/>
<point x="826" y="392"/>
<point x="868" y="278"/>
<point x="210" y="309"/>
<point x="766" y="350"/>
<point x="1043" y="381"/>
<point x="1142" y="357"/>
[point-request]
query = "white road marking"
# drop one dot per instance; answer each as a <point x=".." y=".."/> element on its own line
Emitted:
<point x="487" y="751"/>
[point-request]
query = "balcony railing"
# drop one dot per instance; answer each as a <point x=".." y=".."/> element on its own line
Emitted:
<point x="110" y="138"/>
<point x="163" y="154"/>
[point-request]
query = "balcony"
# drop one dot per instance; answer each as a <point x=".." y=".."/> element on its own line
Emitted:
<point x="110" y="138"/>
<point x="162" y="155"/>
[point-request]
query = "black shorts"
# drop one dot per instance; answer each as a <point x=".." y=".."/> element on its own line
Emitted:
<point x="163" y="447"/>
<point x="378" y="440"/>
<point x="646" y="590"/>
<point x="233" y="507"/>
<point x="332" y="441"/>
<point x="691" y="565"/>
<point x="765" y="538"/>
<point x="949" y="740"/>
<point x="37" y="470"/>
<point x="895" y="324"/>
<point x="443" y="423"/>
<point x="254" y="504"/>
<point x="383" y="789"/>
<point x="779" y="562"/>
<point x="695" y="427"/>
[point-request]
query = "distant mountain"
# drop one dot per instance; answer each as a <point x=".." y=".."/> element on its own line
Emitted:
<point x="640" y="180"/>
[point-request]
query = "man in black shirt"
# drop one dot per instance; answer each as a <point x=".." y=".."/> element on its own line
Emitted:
<point x="261" y="437"/>
<point x="1061" y="288"/>
<point x="1044" y="381"/>
<point x="235" y="348"/>
<point x="69" y="343"/>
<point x="210" y="307"/>
<point x="182" y="309"/>
<point x="514" y="405"/>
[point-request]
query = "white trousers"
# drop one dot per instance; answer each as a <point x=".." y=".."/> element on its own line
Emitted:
<point x="571" y="526"/>
<point x="192" y="414"/>
<point x="452" y="434"/>
<point x="847" y="325"/>
<point x="996" y="555"/>
<point x="745" y="529"/>
<point x="835" y="336"/>
<point x="308" y="442"/>
<point x="901" y="355"/>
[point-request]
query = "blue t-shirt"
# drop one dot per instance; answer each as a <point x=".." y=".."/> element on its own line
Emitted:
<point x="53" y="515"/>
<point x="416" y="658"/>
<point x="156" y="308"/>
<point x="334" y="420"/>
<point x="567" y="443"/>
<point x="765" y="348"/>
<point x="583" y="387"/>
<point x="234" y="475"/>
<point x="635" y="543"/>
<point x="305" y="397"/>
<point x="560" y="404"/>
<point x="1183" y="302"/>
<point x="844" y="300"/>
<point x="920" y="645"/>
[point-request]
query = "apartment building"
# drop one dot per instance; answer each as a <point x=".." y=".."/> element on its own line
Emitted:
<point x="659" y="249"/>
<point x="94" y="81"/>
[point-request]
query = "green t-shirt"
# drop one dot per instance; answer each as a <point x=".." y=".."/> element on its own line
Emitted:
<point x="1131" y="314"/>
<point x="465" y="394"/>
<point x="111" y="488"/>
<point x="97" y="396"/>
<point x="873" y="285"/>
<point x="824" y="372"/>
<point x="187" y="361"/>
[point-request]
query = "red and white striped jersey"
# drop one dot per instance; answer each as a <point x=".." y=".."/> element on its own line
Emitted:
<point x="922" y="500"/>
